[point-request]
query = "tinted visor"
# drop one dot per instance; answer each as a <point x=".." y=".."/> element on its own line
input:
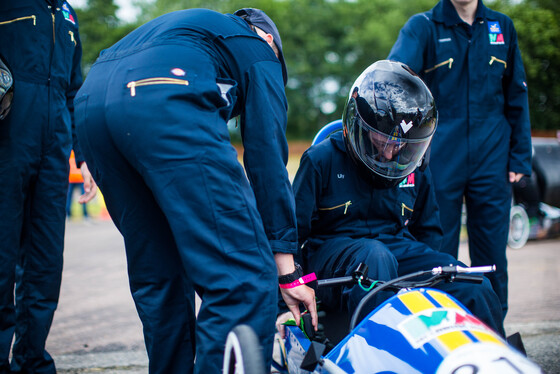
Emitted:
<point x="391" y="157"/>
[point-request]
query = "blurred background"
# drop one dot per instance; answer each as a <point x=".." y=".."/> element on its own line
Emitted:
<point x="328" y="43"/>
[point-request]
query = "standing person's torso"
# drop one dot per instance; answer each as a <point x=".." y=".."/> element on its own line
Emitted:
<point x="38" y="40"/>
<point x="350" y="205"/>
<point x="468" y="70"/>
<point x="465" y="65"/>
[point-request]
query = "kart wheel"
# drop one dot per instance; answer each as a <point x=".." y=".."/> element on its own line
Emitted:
<point x="519" y="227"/>
<point x="243" y="353"/>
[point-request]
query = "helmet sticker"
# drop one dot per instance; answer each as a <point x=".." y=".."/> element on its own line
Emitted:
<point x="406" y="126"/>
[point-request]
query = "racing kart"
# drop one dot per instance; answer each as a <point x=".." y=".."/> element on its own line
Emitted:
<point x="417" y="330"/>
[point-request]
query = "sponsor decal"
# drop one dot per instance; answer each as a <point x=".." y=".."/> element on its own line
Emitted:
<point x="407" y="182"/>
<point x="431" y="324"/>
<point x="494" y="27"/>
<point x="495" y="33"/>
<point x="67" y="14"/>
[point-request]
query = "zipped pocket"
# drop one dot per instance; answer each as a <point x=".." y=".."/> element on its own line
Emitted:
<point x="345" y="205"/>
<point x="446" y="62"/>
<point x="404" y="207"/>
<point x="153" y="81"/>
<point x="33" y="17"/>
<point x="493" y="58"/>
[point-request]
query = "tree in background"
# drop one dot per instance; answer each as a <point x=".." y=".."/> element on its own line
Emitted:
<point x="99" y="29"/>
<point x="328" y="43"/>
<point x="538" y="28"/>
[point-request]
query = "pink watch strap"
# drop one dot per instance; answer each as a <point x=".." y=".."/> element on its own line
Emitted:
<point x="303" y="280"/>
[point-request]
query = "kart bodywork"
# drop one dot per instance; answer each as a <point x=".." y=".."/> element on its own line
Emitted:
<point x="416" y="331"/>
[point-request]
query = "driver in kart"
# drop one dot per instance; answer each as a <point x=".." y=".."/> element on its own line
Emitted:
<point x="365" y="195"/>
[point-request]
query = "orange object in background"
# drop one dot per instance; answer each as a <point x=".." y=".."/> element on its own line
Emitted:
<point x="75" y="173"/>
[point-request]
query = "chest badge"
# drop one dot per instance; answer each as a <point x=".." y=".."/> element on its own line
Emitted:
<point x="67" y="14"/>
<point x="495" y="33"/>
<point x="407" y="182"/>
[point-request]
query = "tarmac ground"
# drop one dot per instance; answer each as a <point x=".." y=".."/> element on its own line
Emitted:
<point x="96" y="328"/>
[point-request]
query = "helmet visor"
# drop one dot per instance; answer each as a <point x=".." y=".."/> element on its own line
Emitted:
<point x="390" y="156"/>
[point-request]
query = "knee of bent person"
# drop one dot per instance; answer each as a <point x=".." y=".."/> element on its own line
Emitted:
<point x="381" y="263"/>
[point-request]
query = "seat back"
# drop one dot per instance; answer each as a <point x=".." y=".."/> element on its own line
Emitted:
<point x="327" y="131"/>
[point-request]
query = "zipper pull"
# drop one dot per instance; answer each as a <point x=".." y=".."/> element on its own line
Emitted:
<point x="346" y="205"/>
<point x="53" y="28"/>
<point x="72" y="37"/>
<point x="403" y="205"/>
<point x="446" y="62"/>
<point x="132" y="86"/>
<point x="494" y="58"/>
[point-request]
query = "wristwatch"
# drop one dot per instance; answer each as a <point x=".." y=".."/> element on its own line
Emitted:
<point x="289" y="278"/>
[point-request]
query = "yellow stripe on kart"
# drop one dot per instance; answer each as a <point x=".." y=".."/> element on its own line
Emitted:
<point x="453" y="340"/>
<point x="444" y="300"/>
<point x="487" y="337"/>
<point x="415" y="301"/>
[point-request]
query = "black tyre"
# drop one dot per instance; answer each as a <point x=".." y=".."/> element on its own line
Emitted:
<point x="243" y="353"/>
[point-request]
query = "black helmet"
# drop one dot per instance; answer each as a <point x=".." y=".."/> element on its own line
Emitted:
<point x="389" y="121"/>
<point x="6" y="89"/>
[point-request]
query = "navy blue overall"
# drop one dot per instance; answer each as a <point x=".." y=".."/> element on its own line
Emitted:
<point x="152" y="121"/>
<point x="39" y="41"/>
<point x="477" y="78"/>
<point x="344" y="221"/>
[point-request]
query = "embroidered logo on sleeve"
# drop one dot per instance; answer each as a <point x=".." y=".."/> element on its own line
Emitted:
<point x="495" y="33"/>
